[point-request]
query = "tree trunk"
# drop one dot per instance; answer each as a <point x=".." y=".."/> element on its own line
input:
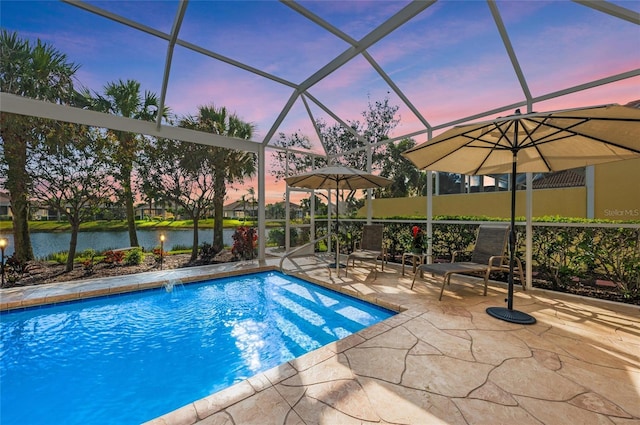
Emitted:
<point x="17" y="183"/>
<point x="73" y="244"/>
<point x="21" y="236"/>
<point x="219" y="192"/>
<point x="194" y="249"/>
<point x="131" y="218"/>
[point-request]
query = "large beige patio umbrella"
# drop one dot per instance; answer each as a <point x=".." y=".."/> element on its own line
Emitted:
<point x="536" y="142"/>
<point x="337" y="177"/>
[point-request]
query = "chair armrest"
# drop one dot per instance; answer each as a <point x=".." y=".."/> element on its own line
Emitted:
<point x="456" y="253"/>
<point x="496" y="257"/>
<point x="504" y="261"/>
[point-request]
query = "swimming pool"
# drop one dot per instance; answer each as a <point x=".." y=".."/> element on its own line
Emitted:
<point x="130" y="358"/>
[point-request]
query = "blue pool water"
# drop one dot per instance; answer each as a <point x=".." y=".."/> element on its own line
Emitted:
<point x="133" y="357"/>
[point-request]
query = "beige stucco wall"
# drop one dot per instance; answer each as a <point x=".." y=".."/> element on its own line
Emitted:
<point x="616" y="197"/>
<point x="618" y="190"/>
<point x="564" y="202"/>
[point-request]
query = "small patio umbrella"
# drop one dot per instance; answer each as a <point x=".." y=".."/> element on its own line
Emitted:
<point x="536" y="142"/>
<point x="337" y="177"/>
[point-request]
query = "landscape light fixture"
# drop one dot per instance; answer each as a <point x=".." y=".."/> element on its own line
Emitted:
<point x="161" y="250"/>
<point x="3" y="245"/>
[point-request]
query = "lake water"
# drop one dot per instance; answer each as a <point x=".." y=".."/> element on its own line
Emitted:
<point x="48" y="243"/>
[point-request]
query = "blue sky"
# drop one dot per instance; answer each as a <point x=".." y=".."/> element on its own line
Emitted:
<point x="449" y="60"/>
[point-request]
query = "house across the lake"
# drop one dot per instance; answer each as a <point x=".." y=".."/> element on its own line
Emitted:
<point x="241" y="210"/>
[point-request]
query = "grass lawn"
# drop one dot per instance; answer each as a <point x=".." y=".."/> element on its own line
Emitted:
<point x="121" y="225"/>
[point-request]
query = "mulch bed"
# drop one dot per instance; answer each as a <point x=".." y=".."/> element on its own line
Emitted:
<point x="40" y="272"/>
<point x="591" y="291"/>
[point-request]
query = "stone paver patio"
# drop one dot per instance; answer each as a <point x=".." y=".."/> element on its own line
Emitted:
<point x="436" y="362"/>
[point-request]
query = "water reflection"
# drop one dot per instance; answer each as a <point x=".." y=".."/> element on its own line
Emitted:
<point x="48" y="243"/>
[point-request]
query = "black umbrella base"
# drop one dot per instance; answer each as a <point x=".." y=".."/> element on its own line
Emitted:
<point x="511" y="316"/>
<point x="340" y="266"/>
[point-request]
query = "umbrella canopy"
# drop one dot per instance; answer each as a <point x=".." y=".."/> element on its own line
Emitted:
<point x="543" y="142"/>
<point x="337" y="177"/>
<point x="536" y="142"/>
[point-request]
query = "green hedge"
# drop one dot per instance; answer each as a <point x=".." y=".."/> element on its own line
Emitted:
<point x="562" y="256"/>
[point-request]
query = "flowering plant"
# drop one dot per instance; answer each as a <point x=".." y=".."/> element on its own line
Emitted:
<point x="418" y="237"/>
<point x="245" y="241"/>
<point x="113" y="257"/>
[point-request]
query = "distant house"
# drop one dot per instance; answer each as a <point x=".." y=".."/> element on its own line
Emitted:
<point x="40" y="212"/>
<point x="144" y="211"/>
<point x="277" y="210"/>
<point x="157" y="211"/>
<point x="5" y="206"/>
<point x="566" y="178"/>
<point x="634" y="104"/>
<point x="239" y="209"/>
<point x="295" y="210"/>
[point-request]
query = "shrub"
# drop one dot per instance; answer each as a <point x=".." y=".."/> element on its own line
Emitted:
<point x="302" y="236"/>
<point x="159" y="254"/>
<point x="134" y="256"/>
<point x="87" y="253"/>
<point x="276" y="237"/>
<point x="180" y="247"/>
<point x="561" y="254"/>
<point x="207" y="252"/>
<point x="244" y="243"/>
<point x="113" y="257"/>
<point x="14" y="268"/>
<point x="88" y="265"/>
<point x="58" y="257"/>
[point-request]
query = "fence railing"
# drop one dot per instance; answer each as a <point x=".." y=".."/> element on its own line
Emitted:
<point x="563" y="254"/>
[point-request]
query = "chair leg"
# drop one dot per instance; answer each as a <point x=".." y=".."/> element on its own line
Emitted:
<point x="414" y="280"/>
<point x="522" y="281"/>
<point x="445" y="279"/>
<point x="346" y="268"/>
<point x="486" y="281"/>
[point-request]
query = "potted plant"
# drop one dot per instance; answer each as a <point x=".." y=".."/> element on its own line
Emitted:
<point x="417" y="245"/>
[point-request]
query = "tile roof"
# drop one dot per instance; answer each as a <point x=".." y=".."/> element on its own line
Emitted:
<point x="566" y="178"/>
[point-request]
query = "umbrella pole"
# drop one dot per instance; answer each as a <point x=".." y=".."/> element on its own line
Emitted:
<point x="337" y="231"/>
<point x="512" y="233"/>
<point x="337" y="263"/>
<point x="509" y="314"/>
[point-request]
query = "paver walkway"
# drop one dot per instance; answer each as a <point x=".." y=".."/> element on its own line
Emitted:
<point x="444" y="362"/>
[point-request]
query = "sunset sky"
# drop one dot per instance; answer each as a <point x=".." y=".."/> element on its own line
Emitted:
<point x="448" y="60"/>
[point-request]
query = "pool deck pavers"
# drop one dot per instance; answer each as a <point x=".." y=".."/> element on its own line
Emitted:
<point x="436" y="362"/>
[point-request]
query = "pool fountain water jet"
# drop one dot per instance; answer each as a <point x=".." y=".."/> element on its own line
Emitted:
<point x="170" y="285"/>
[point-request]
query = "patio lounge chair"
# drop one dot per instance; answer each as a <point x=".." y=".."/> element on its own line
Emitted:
<point x="370" y="248"/>
<point x="487" y="256"/>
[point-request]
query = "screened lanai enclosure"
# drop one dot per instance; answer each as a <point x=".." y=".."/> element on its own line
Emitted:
<point x="300" y="71"/>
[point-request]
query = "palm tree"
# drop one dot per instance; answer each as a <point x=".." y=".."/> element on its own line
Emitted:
<point x="39" y="72"/>
<point x="252" y="201"/>
<point x="243" y="199"/>
<point x="124" y="98"/>
<point x="228" y="166"/>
